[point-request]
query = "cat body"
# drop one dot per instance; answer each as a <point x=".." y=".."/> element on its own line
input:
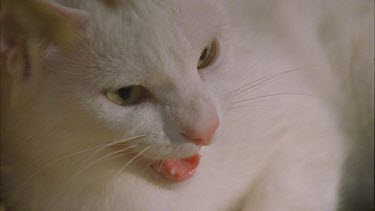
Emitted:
<point x="278" y="91"/>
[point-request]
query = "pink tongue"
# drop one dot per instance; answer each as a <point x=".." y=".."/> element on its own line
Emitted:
<point x="178" y="169"/>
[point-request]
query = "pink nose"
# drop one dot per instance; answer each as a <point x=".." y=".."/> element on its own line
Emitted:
<point x="202" y="137"/>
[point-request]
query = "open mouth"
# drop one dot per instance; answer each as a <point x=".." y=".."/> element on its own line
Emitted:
<point x="172" y="169"/>
<point x="177" y="170"/>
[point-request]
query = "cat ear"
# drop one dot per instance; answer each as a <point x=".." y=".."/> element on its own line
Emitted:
<point x="28" y="27"/>
<point x="28" y="30"/>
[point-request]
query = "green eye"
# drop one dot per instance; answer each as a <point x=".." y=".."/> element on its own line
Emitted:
<point x="126" y="96"/>
<point x="207" y="55"/>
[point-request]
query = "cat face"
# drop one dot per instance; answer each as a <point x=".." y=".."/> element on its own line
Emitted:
<point x="141" y="78"/>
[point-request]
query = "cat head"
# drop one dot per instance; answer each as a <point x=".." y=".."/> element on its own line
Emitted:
<point x="148" y="76"/>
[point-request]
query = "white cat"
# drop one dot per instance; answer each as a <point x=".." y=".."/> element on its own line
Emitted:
<point x="189" y="105"/>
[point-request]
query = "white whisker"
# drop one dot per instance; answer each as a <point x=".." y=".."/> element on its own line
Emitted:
<point x="271" y="95"/>
<point x="112" y="144"/>
<point x="127" y="139"/>
<point x="135" y="157"/>
<point x="260" y="81"/>
<point x="266" y="96"/>
<point x="160" y="166"/>
<point x="147" y="166"/>
<point x="105" y="158"/>
<point x="100" y="147"/>
<point x="96" y="148"/>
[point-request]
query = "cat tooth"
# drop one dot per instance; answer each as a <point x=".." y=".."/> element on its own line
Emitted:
<point x="173" y="172"/>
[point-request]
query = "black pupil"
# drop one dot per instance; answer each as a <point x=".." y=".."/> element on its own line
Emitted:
<point x="203" y="55"/>
<point x="125" y="92"/>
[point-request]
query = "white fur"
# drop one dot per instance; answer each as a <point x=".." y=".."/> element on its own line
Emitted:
<point x="281" y="152"/>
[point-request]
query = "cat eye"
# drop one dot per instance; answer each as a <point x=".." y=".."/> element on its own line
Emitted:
<point x="126" y="96"/>
<point x="207" y="55"/>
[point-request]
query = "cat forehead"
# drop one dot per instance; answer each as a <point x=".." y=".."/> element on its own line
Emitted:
<point x="195" y="17"/>
<point x="145" y="36"/>
<point x="157" y="22"/>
